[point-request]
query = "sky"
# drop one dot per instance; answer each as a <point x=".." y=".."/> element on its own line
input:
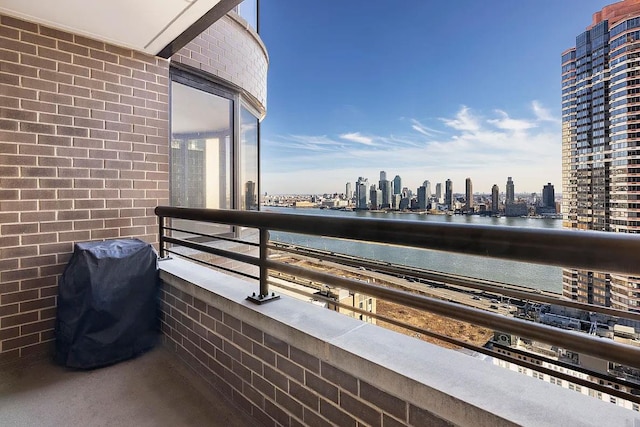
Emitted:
<point x="428" y="90"/>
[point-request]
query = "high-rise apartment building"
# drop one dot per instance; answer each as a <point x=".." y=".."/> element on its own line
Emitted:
<point x="375" y="197"/>
<point x="600" y="140"/>
<point x="495" y="192"/>
<point x="348" y="191"/>
<point x="423" y="200"/>
<point x="397" y="185"/>
<point x="468" y="195"/>
<point x="427" y="186"/>
<point x="385" y="188"/>
<point x="548" y="196"/>
<point x="439" y="192"/>
<point x="510" y="192"/>
<point x="362" y="193"/>
<point x="448" y="194"/>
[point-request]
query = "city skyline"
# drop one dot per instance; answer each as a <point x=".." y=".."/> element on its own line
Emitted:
<point x="547" y="191"/>
<point x="396" y="102"/>
<point x="458" y="187"/>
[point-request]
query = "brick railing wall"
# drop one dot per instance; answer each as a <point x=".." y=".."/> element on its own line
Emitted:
<point x="273" y="380"/>
<point x="83" y="156"/>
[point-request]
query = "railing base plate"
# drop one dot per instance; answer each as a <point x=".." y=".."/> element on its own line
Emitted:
<point x="262" y="299"/>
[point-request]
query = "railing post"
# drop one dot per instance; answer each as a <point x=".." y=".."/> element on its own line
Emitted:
<point x="161" y="236"/>
<point x="263" y="295"/>
<point x="264" y="253"/>
<point x="162" y="253"/>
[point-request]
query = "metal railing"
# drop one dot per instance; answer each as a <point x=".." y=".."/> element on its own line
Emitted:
<point x="616" y="253"/>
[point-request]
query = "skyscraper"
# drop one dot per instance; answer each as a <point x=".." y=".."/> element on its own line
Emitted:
<point x="362" y="193"/>
<point x="397" y="185"/>
<point x="348" y="192"/>
<point x="385" y="188"/>
<point x="494" y="198"/>
<point x="423" y="201"/>
<point x="383" y="176"/>
<point x="448" y="194"/>
<point x="439" y="192"/>
<point x="600" y="158"/>
<point x="427" y="186"/>
<point x="468" y="195"/>
<point x="548" y="196"/>
<point x="510" y="192"/>
<point x="375" y="195"/>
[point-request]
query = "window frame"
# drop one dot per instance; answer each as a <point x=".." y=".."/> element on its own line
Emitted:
<point x="208" y="83"/>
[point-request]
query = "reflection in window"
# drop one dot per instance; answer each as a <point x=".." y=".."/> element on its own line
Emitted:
<point x="248" y="160"/>
<point x="201" y="136"/>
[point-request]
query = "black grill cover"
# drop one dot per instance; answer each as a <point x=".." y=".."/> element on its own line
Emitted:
<point x="107" y="303"/>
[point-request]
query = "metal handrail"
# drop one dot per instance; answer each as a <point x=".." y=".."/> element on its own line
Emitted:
<point x="616" y="252"/>
<point x="588" y="250"/>
<point x="512" y="291"/>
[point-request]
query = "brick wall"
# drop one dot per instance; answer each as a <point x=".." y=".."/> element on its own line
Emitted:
<point x="274" y="381"/>
<point x="83" y="156"/>
<point x="232" y="51"/>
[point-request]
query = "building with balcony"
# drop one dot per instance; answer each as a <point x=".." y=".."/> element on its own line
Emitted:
<point x="599" y="140"/>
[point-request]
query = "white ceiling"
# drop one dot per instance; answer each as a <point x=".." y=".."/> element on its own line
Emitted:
<point x="143" y="25"/>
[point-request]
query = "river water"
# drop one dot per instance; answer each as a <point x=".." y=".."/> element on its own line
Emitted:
<point x="535" y="276"/>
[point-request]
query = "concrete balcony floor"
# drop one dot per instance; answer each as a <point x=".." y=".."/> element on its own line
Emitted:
<point x="155" y="389"/>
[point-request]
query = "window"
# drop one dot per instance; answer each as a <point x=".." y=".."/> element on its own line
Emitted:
<point x="214" y="150"/>
<point x="201" y="148"/>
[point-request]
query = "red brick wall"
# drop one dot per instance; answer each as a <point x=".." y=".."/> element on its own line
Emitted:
<point x="83" y="156"/>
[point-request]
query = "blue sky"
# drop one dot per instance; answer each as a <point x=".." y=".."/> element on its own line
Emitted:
<point x="428" y="90"/>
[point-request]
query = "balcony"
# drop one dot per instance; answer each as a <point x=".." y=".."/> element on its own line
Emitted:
<point x="288" y="362"/>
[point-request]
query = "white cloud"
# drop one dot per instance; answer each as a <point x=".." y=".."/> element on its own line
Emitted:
<point x="357" y="137"/>
<point x="424" y="130"/>
<point x="542" y="113"/>
<point x="296" y="143"/>
<point x="463" y="121"/>
<point x="507" y="123"/>
<point x="488" y="151"/>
